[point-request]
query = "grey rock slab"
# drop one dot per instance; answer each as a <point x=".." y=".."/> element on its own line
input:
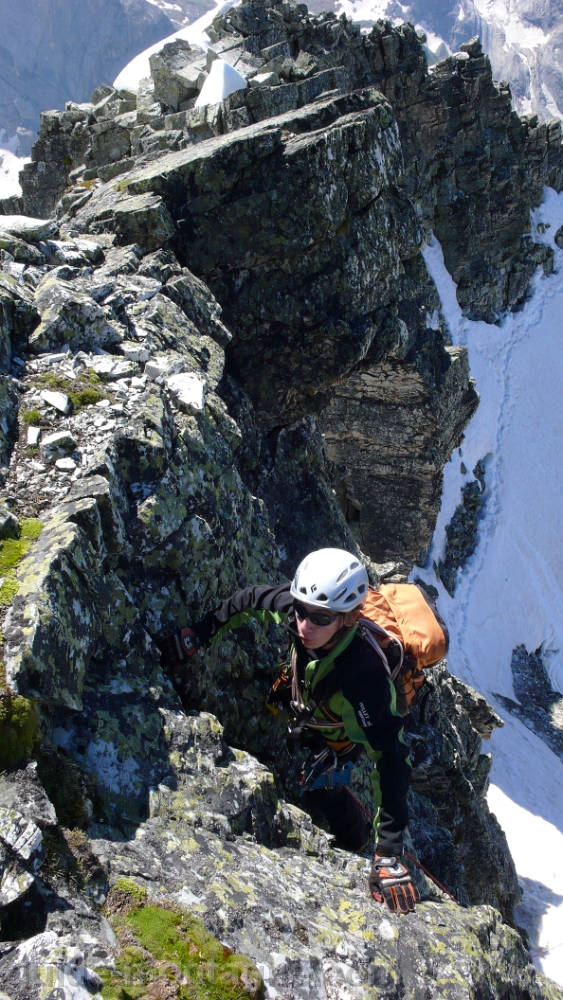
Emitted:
<point x="20" y="834"/>
<point x="9" y="524"/>
<point x="58" y="400"/>
<point x="55" y="446"/>
<point x="197" y="302"/>
<point x="14" y="881"/>
<point x="65" y="465"/>
<point x="188" y="390"/>
<point x="133" y="351"/>
<point x="110" y="368"/>
<point x="29" y="229"/>
<point x="58" y="957"/>
<point x="142" y="219"/>
<point x="175" y="77"/>
<point x="21" y="790"/>
<point x="33" y="435"/>
<point x="52" y="625"/>
<point x="265" y="80"/>
<point x="69" y="316"/>
<point x="155" y="369"/>
<point x="62" y="252"/>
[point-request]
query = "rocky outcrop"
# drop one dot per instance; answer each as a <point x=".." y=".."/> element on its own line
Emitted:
<point x="462" y="533"/>
<point x="393" y="428"/>
<point x="539" y="706"/>
<point x="443" y="151"/>
<point x="183" y="327"/>
<point x="146" y="521"/>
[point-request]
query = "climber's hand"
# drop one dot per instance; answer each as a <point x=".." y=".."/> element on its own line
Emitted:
<point x="177" y="648"/>
<point x="390" y="882"/>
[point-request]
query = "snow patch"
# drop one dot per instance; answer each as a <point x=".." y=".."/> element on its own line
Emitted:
<point x="510" y="592"/>
<point x="222" y="81"/>
<point x="10" y="166"/>
<point x="372" y="10"/>
<point x="139" y="67"/>
<point x="549" y="102"/>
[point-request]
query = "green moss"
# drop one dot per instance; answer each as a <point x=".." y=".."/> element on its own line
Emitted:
<point x="18" y="729"/>
<point x="50" y="380"/>
<point x="31" y="528"/>
<point x="12" y="551"/>
<point x="31" y="416"/>
<point x="173" y="945"/>
<point x="8" y="591"/>
<point x="136" y="892"/>
<point x="86" y="397"/>
<point x="83" y="391"/>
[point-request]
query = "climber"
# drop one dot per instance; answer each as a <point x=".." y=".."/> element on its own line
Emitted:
<point x="340" y="700"/>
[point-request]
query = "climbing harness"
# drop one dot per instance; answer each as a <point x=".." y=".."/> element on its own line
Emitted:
<point x="318" y="773"/>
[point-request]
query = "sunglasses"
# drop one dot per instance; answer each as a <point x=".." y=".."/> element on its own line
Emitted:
<point x="315" y="617"/>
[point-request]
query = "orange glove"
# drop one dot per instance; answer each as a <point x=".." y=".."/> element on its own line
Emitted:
<point x="391" y="882"/>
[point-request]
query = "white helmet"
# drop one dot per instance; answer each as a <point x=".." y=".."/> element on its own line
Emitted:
<point x="332" y="579"/>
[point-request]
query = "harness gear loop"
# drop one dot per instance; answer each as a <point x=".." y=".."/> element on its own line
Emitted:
<point x="322" y="776"/>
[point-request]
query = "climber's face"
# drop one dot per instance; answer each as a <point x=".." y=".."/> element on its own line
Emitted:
<point x="315" y="636"/>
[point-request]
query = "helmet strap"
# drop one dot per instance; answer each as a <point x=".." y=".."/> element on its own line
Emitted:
<point x="337" y="636"/>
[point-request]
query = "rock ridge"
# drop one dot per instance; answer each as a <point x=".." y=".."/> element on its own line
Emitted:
<point x="216" y="289"/>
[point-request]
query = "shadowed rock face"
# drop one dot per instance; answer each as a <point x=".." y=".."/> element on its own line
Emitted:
<point x="221" y="285"/>
<point x="303" y="205"/>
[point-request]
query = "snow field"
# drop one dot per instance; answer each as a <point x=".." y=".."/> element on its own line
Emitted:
<point x="139" y="67"/>
<point x="510" y="592"/>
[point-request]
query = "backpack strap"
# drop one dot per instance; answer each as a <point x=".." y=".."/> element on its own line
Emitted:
<point x="369" y="631"/>
<point x="323" y="692"/>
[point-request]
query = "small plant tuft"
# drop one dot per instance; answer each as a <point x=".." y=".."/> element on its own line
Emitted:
<point x="126" y="895"/>
<point x="69" y="858"/>
<point x="31" y="416"/>
<point x="83" y="391"/>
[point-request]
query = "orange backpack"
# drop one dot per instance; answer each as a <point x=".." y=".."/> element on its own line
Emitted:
<point x="402" y="613"/>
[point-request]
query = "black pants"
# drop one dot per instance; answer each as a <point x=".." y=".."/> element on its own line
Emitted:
<point x="346" y="818"/>
<point x="349" y="823"/>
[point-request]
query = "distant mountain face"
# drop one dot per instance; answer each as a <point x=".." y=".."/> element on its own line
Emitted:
<point x="52" y="51"/>
<point x="523" y="38"/>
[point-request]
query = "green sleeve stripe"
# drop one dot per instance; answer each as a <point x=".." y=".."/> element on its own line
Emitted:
<point x="241" y="617"/>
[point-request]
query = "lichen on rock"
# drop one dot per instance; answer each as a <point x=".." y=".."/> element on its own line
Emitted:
<point x="229" y="351"/>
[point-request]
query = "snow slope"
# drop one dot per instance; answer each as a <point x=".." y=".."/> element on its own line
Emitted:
<point x="510" y="592"/>
<point x="139" y="67"/>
